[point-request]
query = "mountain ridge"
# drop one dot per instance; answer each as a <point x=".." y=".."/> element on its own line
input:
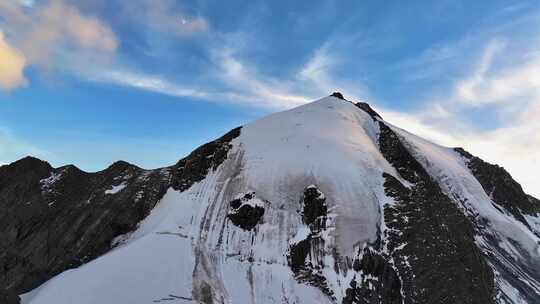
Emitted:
<point x="393" y="265"/>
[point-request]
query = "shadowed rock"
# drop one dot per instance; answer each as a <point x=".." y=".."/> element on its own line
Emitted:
<point x="431" y="241"/>
<point x="337" y="95"/>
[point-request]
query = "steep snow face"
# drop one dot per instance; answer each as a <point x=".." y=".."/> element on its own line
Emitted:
<point x="167" y="259"/>
<point x="187" y="249"/>
<point x="330" y="143"/>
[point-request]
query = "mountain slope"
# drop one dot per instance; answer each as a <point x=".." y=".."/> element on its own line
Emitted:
<point x="324" y="203"/>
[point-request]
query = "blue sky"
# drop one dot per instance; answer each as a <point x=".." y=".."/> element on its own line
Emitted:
<point x="93" y="81"/>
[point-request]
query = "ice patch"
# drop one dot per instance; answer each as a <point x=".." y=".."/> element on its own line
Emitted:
<point x="48" y="183"/>
<point x="116" y="189"/>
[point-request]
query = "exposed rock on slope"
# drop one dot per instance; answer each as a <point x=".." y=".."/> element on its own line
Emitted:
<point x="429" y="238"/>
<point x="246" y="211"/>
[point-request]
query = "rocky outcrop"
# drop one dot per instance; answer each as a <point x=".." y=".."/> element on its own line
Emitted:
<point x="367" y="108"/>
<point x="337" y="95"/>
<point x="534" y="201"/>
<point x="376" y="282"/>
<point x="314" y="209"/>
<point x="54" y="219"/>
<point x="246" y="211"/>
<point x="306" y="255"/>
<point x="196" y="165"/>
<point x="362" y="105"/>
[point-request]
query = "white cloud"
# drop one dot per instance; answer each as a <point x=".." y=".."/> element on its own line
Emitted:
<point x="466" y="89"/>
<point x="317" y="76"/>
<point x="145" y="82"/>
<point x="231" y="80"/>
<point x="263" y="91"/>
<point x="318" y="68"/>
<point x="241" y="88"/>
<point x="502" y="85"/>
<point x="42" y="32"/>
<point x="12" y="63"/>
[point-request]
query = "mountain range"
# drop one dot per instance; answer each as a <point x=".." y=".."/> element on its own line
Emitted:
<point x="323" y="203"/>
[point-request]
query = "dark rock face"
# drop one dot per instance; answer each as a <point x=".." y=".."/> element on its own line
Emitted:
<point x="314" y="210"/>
<point x="62" y="218"/>
<point x="429" y="238"/>
<point x="306" y="256"/>
<point x="9" y="298"/>
<point x="379" y="283"/>
<point x="243" y="214"/>
<point x="500" y="186"/>
<point x="196" y="165"/>
<point x="337" y="95"/>
<point x="298" y="254"/>
<point x="375" y="280"/>
<point x="362" y="105"/>
<point x="367" y="108"/>
<point x="52" y="219"/>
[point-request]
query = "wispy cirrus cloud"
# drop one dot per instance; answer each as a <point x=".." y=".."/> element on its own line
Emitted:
<point x="231" y="79"/>
<point x="511" y="91"/>
<point x="234" y="84"/>
<point x="318" y="75"/>
<point x="56" y="35"/>
<point x="153" y="83"/>
<point x="502" y="85"/>
<point x="249" y="83"/>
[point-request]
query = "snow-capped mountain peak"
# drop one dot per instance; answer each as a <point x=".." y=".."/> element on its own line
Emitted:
<point x="323" y="203"/>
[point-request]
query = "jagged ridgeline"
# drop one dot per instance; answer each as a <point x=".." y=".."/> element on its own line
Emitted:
<point x="323" y="203"/>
